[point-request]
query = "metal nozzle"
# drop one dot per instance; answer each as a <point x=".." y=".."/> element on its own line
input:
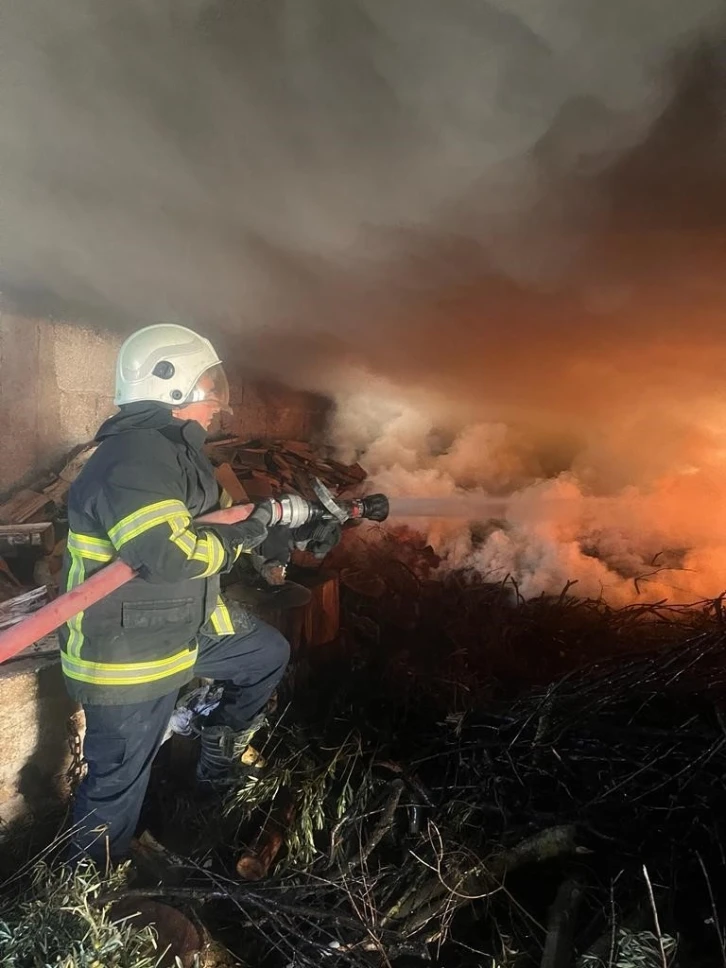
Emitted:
<point x="375" y="507"/>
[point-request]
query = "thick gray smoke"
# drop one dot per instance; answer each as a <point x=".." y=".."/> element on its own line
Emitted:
<point x="293" y="162"/>
<point x="490" y="228"/>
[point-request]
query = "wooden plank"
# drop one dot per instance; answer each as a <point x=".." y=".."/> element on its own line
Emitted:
<point x="56" y="492"/>
<point x="298" y="447"/>
<point x="37" y="535"/>
<point x="257" y="488"/>
<point x="321" y="623"/>
<point x="251" y="458"/>
<point x="76" y="464"/>
<point x="15" y="609"/>
<point x="227" y="479"/>
<point x="260" y="475"/>
<point x="22" y="506"/>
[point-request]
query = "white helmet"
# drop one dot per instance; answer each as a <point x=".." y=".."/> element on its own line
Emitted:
<point x="164" y="363"/>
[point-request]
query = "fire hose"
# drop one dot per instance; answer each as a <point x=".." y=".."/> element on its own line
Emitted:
<point x="112" y="576"/>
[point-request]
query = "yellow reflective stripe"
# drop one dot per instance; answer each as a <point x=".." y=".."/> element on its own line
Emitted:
<point x="186" y="542"/>
<point x="127" y="673"/>
<point x="208" y="549"/>
<point x="221" y="619"/>
<point x="97" y="549"/>
<point x="146" y="518"/>
<point x="182" y="538"/>
<point x="225" y="501"/>
<point x="76" y="574"/>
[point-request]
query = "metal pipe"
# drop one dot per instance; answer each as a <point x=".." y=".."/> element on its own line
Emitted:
<point x="51" y="616"/>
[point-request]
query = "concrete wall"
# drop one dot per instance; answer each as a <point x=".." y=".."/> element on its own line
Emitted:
<point x="56" y="387"/>
<point x="268" y="410"/>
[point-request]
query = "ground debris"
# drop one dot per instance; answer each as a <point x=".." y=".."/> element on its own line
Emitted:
<point x="509" y="832"/>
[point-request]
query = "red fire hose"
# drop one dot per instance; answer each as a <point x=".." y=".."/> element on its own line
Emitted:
<point x="51" y="616"/>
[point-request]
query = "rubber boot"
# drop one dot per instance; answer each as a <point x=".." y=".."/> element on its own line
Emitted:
<point x="226" y="756"/>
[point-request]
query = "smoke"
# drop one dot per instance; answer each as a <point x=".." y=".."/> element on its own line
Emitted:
<point x="258" y="164"/>
<point x="498" y="219"/>
<point x="492" y="503"/>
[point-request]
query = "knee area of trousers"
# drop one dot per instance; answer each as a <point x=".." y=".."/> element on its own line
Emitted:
<point x="279" y="650"/>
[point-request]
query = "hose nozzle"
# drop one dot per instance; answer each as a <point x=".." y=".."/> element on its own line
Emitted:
<point x="373" y="508"/>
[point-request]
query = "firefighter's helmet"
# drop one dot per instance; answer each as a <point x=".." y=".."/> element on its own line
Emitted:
<point x="172" y="365"/>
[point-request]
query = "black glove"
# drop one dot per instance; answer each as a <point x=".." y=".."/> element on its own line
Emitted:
<point x="273" y="572"/>
<point x="318" y="537"/>
<point x="247" y="534"/>
<point x="277" y="546"/>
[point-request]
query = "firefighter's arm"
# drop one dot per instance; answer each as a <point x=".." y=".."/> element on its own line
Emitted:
<point x="152" y="530"/>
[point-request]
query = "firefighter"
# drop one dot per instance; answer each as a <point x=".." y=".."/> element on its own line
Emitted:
<point x="125" y="658"/>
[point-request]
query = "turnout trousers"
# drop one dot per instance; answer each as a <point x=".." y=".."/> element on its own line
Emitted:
<point x="122" y="741"/>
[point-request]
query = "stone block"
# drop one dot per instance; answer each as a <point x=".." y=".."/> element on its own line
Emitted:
<point x="34" y="750"/>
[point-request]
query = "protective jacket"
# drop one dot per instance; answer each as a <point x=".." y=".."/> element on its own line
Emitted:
<point x="136" y="499"/>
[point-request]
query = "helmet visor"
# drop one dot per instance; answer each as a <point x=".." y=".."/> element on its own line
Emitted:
<point x="211" y="387"/>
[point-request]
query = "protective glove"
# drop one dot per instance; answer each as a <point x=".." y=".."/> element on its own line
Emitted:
<point x="318" y="537"/>
<point x="243" y="536"/>
<point x="273" y="572"/>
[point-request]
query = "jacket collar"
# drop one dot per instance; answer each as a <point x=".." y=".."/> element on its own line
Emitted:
<point x="152" y="416"/>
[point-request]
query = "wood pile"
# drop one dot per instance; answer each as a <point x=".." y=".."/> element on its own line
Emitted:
<point x="32" y="542"/>
<point x="263" y="468"/>
<point x="27" y="504"/>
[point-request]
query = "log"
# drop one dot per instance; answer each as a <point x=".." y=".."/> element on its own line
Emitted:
<point x="180" y="941"/>
<point x="455" y="888"/>
<point x="255" y="863"/>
